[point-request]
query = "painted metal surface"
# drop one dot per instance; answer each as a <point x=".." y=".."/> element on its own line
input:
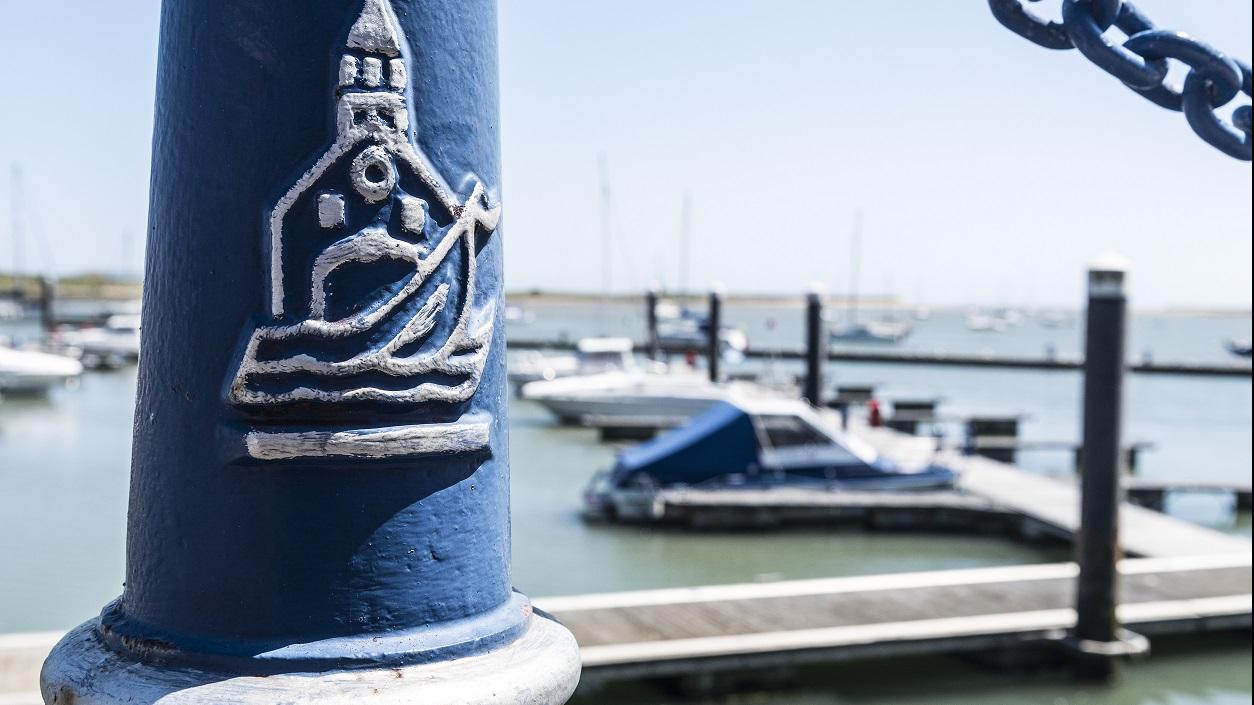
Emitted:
<point x="320" y="470"/>
<point x="540" y="668"/>
<point x="1212" y="82"/>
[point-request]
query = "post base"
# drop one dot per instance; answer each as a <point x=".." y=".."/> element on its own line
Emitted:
<point x="539" y="668"/>
<point x="1099" y="660"/>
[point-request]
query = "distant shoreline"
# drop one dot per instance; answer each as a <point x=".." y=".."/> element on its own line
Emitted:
<point x="540" y="298"/>
<point x="877" y="303"/>
<point x="103" y="287"/>
<point x="99" y="287"/>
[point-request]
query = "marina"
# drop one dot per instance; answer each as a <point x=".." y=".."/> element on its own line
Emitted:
<point x="955" y="531"/>
<point x="577" y="354"/>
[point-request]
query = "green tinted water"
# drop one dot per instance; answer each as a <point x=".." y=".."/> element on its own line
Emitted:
<point x="1210" y="671"/>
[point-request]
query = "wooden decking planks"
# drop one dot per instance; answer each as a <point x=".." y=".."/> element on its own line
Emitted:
<point x="675" y="632"/>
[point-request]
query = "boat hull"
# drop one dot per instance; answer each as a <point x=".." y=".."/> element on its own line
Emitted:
<point x="25" y="373"/>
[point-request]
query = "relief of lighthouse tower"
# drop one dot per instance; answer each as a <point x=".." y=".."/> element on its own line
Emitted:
<point x="373" y="308"/>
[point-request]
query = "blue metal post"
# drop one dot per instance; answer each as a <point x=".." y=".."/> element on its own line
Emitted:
<point x="320" y="479"/>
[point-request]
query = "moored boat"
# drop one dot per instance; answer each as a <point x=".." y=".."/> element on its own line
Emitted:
<point x="663" y="399"/>
<point x="986" y="323"/>
<point x="110" y="345"/>
<point x="754" y="444"/>
<point x="591" y="356"/>
<point x="26" y="372"/>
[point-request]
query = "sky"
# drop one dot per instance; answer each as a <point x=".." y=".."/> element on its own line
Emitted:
<point x="987" y="170"/>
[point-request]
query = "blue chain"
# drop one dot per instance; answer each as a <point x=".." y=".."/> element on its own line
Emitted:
<point x="1213" y="81"/>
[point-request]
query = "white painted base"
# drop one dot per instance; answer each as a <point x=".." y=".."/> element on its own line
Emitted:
<point x="540" y="668"/>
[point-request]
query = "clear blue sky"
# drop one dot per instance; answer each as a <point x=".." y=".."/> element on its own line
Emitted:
<point x="988" y="169"/>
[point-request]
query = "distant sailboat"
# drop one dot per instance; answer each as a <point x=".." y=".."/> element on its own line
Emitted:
<point x="683" y="327"/>
<point x="986" y="323"/>
<point x="1054" y="319"/>
<point x="852" y="330"/>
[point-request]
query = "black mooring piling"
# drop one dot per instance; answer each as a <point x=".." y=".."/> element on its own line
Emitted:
<point x="1098" y="638"/>
<point x="713" y="341"/>
<point x="650" y="317"/>
<point x="816" y="349"/>
<point x="47" y="304"/>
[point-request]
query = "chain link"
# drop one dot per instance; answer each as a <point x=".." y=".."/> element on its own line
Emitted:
<point x="1140" y="61"/>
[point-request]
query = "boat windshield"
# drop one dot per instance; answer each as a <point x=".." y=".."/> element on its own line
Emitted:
<point x="604" y="359"/>
<point x="790" y="432"/>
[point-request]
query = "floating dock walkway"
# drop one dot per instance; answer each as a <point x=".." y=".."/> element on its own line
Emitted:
<point x="711" y="630"/>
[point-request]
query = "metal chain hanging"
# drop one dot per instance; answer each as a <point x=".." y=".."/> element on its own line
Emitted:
<point x="1214" y="79"/>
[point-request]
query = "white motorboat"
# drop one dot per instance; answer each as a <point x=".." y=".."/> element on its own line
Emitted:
<point x="115" y="343"/>
<point x="24" y="372"/>
<point x="663" y="399"/>
<point x="591" y="356"/>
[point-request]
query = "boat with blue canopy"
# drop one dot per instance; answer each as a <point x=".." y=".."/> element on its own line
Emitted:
<point x="756" y="444"/>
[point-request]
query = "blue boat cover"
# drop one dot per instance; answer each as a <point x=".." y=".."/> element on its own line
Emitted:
<point x="718" y="442"/>
<point x="723" y="447"/>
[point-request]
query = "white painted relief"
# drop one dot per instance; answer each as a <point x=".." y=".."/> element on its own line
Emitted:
<point x="428" y="439"/>
<point x="374" y="156"/>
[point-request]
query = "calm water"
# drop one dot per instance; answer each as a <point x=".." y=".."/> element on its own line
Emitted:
<point x="63" y="490"/>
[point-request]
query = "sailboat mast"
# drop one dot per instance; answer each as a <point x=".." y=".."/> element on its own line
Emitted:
<point x="855" y="265"/>
<point x="607" y="228"/>
<point x="685" y="245"/>
<point x="18" y="253"/>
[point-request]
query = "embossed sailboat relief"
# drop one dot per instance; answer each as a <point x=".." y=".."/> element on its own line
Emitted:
<point x="373" y="298"/>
